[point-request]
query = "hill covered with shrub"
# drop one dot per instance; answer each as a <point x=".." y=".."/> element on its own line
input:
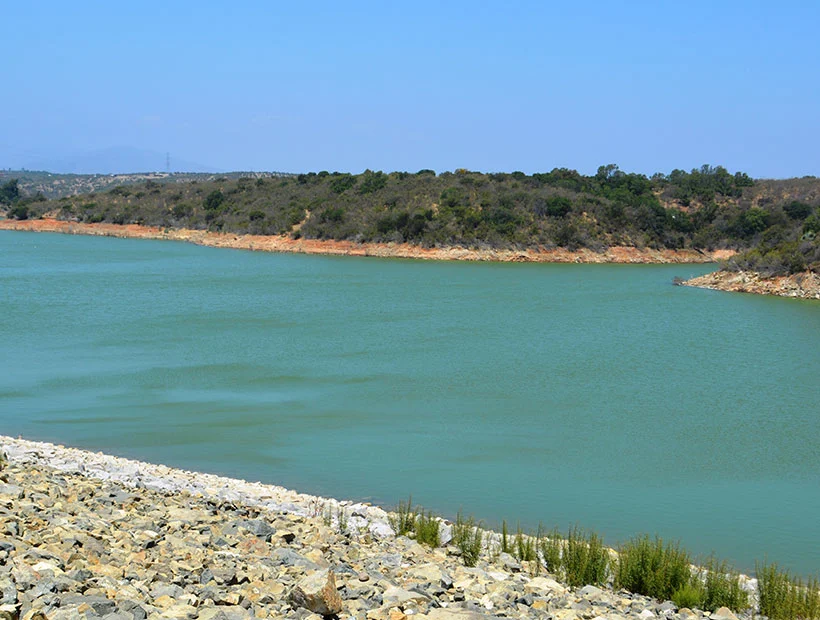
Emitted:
<point x="775" y="224"/>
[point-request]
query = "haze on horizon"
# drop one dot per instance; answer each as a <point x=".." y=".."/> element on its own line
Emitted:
<point x="330" y="86"/>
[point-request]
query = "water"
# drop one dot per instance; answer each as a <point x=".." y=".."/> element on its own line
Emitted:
<point x="600" y="395"/>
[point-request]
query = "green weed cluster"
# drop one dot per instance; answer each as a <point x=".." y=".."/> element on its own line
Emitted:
<point x="643" y="565"/>
<point x="468" y="537"/>
<point x="783" y="597"/>
<point x="423" y="525"/>
<point x="653" y="568"/>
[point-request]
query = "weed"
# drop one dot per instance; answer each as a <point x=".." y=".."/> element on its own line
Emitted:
<point x="722" y="587"/>
<point x="652" y="568"/>
<point x="426" y="527"/>
<point x="505" y="538"/>
<point x="403" y="521"/>
<point x="689" y="595"/>
<point x="585" y="559"/>
<point x="467" y="536"/>
<point x="524" y="549"/>
<point x="550" y="546"/>
<point x="342" y="520"/>
<point x="783" y="597"/>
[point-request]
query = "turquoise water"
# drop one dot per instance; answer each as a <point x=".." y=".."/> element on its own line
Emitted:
<point x="596" y="394"/>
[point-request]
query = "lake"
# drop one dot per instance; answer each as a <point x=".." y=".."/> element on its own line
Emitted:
<point x="592" y="394"/>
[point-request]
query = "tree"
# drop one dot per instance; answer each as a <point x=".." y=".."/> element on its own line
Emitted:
<point x="10" y="192"/>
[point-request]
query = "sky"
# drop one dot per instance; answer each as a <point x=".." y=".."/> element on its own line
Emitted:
<point x="488" y="86"/>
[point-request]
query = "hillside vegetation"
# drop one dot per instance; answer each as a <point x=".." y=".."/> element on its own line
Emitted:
<point x="775" y="224"/>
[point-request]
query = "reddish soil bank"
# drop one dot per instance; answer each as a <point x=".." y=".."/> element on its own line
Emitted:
<point x="272" y="243"/>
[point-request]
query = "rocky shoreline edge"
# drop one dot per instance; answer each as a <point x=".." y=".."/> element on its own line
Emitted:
<point x="87" y="535"/>
<point x="271" y="243"/>
<point x="800" y="285"/>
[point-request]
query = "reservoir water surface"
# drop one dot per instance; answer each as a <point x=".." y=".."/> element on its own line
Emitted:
<point x="593" y="394"/>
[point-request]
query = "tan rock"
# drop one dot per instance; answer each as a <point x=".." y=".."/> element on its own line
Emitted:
<point x="317" y="593"/>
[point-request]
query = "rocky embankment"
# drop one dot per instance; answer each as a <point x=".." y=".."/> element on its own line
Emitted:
<point x="90" y="536"/>
<point x="283" y="243"/>
<point x="801" y="285"/>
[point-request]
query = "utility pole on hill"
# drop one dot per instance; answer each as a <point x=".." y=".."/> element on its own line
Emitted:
<point x="168" y="162"/>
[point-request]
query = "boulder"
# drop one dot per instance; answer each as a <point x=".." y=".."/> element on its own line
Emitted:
<point x="317" y="593"/>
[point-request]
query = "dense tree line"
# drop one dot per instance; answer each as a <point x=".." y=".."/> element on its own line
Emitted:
<point x="706" y="208"/>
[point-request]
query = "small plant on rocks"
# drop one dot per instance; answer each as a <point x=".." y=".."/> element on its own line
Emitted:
<point x="403" y="521"/>
<point x="426" y="527"/>
<point x="652" y="567"/>
<point x="585" y="559"/>
<point x="550" y="547"/>
<point x="783" y="597"/>
<point x="722" y="587"/>
<point x="525" y="548"/>
<point x="467" y="536"/>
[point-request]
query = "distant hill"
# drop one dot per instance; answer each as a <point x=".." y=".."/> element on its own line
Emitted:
<point x="113" y="160"/>
<point x="775" y="224"/>
<point x="52" y="185"/>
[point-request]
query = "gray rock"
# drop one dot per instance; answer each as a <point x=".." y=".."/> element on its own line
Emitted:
<point x="289" y="557"/>
<point x="101" y="605"/>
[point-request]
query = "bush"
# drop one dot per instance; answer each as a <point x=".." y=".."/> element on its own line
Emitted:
<point x="213" y="200"/>
<point x="689" y="595"/>
<point x="525" y="547"/>
<point x="551" y="546"/>
<point x="585" y="559"/>
<point x="652" y="568"/>
<point x="372" y="181"/>
<point x="403" y="521"/>
<point x="19" y="212"/>
<point x="722" y="587"/>
<point x="426" y="528"/>
<point x="342" y="183"/>
<point x="783" y="597"/>
<point x="468" y="538"/>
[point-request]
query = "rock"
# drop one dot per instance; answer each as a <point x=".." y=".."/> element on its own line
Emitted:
<point x="724" y="613"/>
<point x="458" y="614"/>
<point x="509" y="562"/>
<point x="397" y="597"/>
<point x="646" y="614"/>
<point x="8" y="612"/>
<point x="289" y="557"/>
<point x="590" y="591"/>
<point x="543" y="586"/>
<point x="317" y="593"/>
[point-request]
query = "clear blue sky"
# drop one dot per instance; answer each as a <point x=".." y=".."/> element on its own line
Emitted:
<point x="507" y="86"/>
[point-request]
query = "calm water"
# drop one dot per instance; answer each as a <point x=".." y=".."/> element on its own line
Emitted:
<point x="600" y="395"/>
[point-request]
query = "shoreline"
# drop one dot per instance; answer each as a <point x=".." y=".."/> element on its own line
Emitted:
<point x="162" y="478"/>
<point x="283" y="541"/>
<point x="285" y="244"/>
<point x="804" y="285"/>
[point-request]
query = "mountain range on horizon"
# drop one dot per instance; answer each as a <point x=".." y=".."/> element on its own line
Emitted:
<point x="111" y="160"/>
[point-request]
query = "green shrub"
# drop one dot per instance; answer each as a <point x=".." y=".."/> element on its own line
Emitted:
<point x="585" y="559"/>
<point x="467" y="536"/>
<point x="19" y="212"/>
<point x="690" y="595"/>
<point x="403" y="520"/>
<point x="525" y="548"/>
<point x="652" y="568"/>
<point x="505" y="538"/>
<point x="426" y="527"/>
<point x="213" y="200"/>
<point x="783" y="597"/>
<point x="722" y="587"/>
<point x="551" y="546"/>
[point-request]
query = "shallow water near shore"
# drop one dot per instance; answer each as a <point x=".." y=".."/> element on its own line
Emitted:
<point x="596" y="394"/>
